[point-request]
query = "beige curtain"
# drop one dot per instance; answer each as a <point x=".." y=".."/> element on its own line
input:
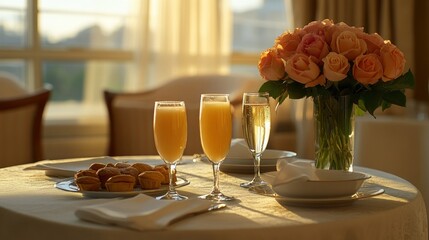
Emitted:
<point x="183" y="38"/>
<point x="404" y="22"/>
<point x="174" y="38"/>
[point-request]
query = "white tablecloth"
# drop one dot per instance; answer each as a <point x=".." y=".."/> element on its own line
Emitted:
<point x="31" y="208"/>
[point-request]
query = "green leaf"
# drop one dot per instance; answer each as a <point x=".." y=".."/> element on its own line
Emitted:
<point x="274" y="88"/>
<point x="361" y="105"/>
<point x="372" y="100"/>
<point x="282" y="97"/>
<point x="359" y="111"/>
<point x="296" y="90"/>
<point x="402" y="82"/>
<point x="395" y="97"/>
<point x="385" y="105"/>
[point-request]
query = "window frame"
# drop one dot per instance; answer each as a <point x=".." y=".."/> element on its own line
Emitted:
<point x="34" y="54"/>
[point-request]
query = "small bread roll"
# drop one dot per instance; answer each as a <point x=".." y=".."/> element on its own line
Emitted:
<point x="164" y="170"/>
<point x="132" y="172"/>
<point x="122" y="165"/>
<point x="86" y="172"/>
<point x="96" y="166"/>
<point x="106" y="173"/>
<point x="142" y="167"/>
<point x="120" y="183"/>
<point x="151" y="179"/>
<point x="88" y="183"/>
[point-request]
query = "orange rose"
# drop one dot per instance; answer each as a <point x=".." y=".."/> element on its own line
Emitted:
<point x="313" y="45"/>
<point x="392" y="60"/>
<point x="321" y="80"/>
<point x="287" y="43"/>
<point x="348" y="44"/>
<point x="367" y="69"/>
<point x="335" y="67"/>
<point x="320" y="28"/>
<point x="373" y="42"/>
<point x="271" y="67"/>
<point x="301" y="68"/>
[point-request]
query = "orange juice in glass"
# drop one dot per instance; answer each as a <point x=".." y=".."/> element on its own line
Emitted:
<point x="170" y="134"/>
<point x="215" y="134"/>
<point x="216" y="129"/>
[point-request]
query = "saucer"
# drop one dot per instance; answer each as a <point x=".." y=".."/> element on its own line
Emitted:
<point x="366" y="191"/>
<point x="234" y="163"/>
<point x="329" y="202"/>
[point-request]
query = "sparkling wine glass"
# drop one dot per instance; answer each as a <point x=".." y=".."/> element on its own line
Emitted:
<point x="170" y="133"/>
<point x="256" y="125"/>
<point x="215" y="134"/>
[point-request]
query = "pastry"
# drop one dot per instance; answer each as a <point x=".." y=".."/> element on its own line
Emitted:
<point x="164" y="170"/>
<point x="142" y="167"/>
<point x="122" y="165"/>
<point x="132" y="172"/>
<point x="162" y="166"/>
<point x="151" y="179"/>
<point x="120" y="183"/>
<point x="86" y="172"/>
<point x="96" y="166"/>
<point x="106" y="173"/>
<point x="88" y="183"/>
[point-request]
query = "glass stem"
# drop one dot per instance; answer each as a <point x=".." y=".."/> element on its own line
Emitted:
<point x="172" y="171"/>
<point x="215" y="178"/>
<point x="257" y="167"/>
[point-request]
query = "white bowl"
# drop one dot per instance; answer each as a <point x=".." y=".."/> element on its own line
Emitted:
<point x="331" y="184"/>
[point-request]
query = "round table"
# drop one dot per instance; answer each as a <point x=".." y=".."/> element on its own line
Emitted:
<point x="32" y="208"/>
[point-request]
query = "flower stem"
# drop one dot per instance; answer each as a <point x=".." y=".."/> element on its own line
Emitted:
<point x="334" y="124"/>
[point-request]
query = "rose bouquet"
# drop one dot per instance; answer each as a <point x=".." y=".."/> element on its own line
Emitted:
<point x="337" y="65"/>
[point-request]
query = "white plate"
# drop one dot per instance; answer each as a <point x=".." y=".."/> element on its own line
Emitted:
<point x="69" y="168"/>
<point x="236" y="164"/>
<point x="330" y="202"/>
<point x="70" y="186"/>
<point x="332" y="183"/>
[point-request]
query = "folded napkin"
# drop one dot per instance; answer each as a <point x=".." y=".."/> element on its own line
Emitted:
<point x="142" y="212"/>
<point x="239" y="149"/>
<point x="294" y="170"/>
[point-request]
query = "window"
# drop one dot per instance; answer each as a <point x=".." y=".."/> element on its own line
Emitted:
<point x="79" y="47"/>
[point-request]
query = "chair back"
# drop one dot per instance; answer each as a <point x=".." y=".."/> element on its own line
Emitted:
<point x="21" y="115"/>
<point x="10" y="86"/>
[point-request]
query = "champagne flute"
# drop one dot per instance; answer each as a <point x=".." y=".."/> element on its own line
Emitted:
<point x="256" y="125"/>
<point x="170" y="133"/>
<point x="215" y="134"/>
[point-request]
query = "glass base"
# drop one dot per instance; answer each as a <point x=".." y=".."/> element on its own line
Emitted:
<point x="252" y="183"/>
<point x="172" y="196"/>
<point x="216" y="197"/>
<point x="265" y="190"/>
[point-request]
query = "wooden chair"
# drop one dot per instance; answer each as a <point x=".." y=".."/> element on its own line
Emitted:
<point x="131" y="114"/>
<point x="21" y="125"/>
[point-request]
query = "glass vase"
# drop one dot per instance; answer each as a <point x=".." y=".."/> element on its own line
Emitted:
<point x="334" y="132"/>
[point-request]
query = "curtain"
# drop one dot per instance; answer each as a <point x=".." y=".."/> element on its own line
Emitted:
<point x="171" y="38"/>
<point x="401" y="21"/>
<point x="183" y="37"/>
